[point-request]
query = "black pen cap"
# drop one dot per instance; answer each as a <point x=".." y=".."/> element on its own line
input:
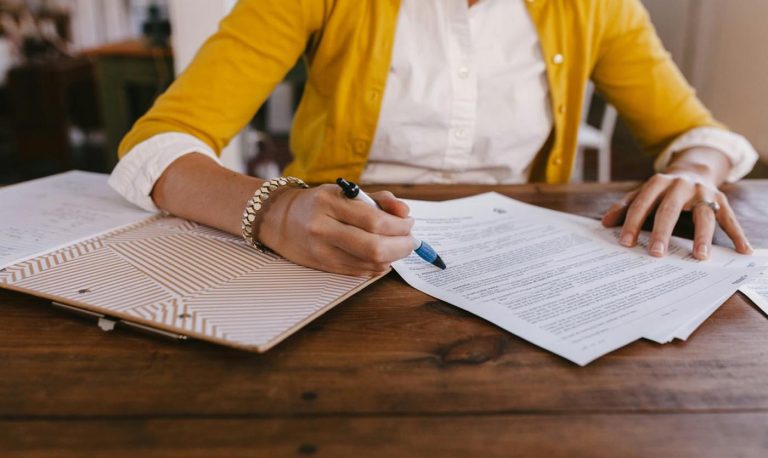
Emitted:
<point x="350" y="189"/>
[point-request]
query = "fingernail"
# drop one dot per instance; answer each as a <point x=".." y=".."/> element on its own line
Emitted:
<point x="702" y="251"/>
<point x="657" y="248"/>
<point x="748" y="247"/>
<point x="626" y="240"/>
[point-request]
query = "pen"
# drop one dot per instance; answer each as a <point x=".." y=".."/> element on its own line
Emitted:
<point x="420" y="247"/>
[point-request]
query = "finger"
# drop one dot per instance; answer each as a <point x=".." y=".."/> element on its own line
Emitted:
<point x="352" y="265"/>
<point x="615" y="214"/>
<point x="334" y="259"/>
<point x="372" y="248"/>
<point x="640" y="208"/>
<point x="704" y="230"/>
<point x="727" y="220"/>
<point x="391" y="204"/>
<point x="667" y="215"/>
<point x="370" y="219"/>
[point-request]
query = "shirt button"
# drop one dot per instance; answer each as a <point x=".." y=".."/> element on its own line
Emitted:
<point x="558" y="59"/>
<point x="463" y="72"/>
<point x="459" y="133"/>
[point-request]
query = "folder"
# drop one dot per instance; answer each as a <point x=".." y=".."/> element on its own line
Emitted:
<point x="183" y="280"/>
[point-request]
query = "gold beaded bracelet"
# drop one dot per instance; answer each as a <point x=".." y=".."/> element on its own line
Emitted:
<point x="256" y="202"/>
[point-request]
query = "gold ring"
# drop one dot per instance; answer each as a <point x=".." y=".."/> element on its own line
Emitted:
<point x="709" y="203"/>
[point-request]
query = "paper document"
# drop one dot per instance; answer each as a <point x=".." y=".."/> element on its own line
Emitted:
<point x="560" y="282"/>
<point x="757" y="289"/>
<point x="49" y="213"/>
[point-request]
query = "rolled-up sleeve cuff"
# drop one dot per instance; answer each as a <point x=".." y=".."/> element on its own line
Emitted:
<point x="737" y="148"/>
<point x="135" y="175"/>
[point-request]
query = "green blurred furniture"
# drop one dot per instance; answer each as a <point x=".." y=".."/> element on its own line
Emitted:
<point x="130" y="76"/>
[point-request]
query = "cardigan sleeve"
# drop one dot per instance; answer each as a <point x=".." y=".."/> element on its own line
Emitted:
<point x="637" y="75"/>
<point x="232" y="74"/>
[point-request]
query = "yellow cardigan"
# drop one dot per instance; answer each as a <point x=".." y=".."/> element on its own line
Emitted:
<point x="348" y="46"/>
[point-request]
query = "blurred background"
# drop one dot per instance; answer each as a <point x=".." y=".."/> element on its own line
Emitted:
<point x="76" y="74"/>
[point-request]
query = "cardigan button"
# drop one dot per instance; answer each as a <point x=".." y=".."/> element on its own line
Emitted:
<point x="360" y="146"/>
<point x="558" y="59"/>
<point x="557" y="161"/>
<point x="561" y="108"/>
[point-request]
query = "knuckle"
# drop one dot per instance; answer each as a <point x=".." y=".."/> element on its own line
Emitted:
<point x="702" y="237"/>
<point x="407" y="227"/>
<point x="658" y="233"/>
<point x="667" y="209"/>
<point x="680" y="181"/>
<point x="403" y="227"/>
<point x="406" y="251"/>
<point x="636" y="207"/>
<point x="385" y="195"/>
<point x="377" y="254"/>
<point x="373" y="223"/>
<point x="319" y="198"/>
<point x="327" y="188"/>
<point x="315" y="226"/>
<point x="702" y="216"/>
<point x="627" y="231"/>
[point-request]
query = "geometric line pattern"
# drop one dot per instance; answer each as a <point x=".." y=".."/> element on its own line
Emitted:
<point x="187" y="278"/>
<point x="24" y="269"/>
<point x="100" y="278"/>
<point x="260" y="305"/>
<point x="167" y="260"/>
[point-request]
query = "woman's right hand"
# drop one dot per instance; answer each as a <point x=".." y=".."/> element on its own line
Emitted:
<point x="322" y="229"/>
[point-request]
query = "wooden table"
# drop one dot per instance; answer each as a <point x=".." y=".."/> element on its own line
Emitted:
<point x="390" y="372"/>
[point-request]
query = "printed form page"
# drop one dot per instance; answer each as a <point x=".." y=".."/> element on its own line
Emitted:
<point x="49" y="213"/>
<point x="563" y="285"/>
<point x="757" y="289"/>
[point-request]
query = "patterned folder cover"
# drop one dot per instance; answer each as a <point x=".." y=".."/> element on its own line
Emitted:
<point x="179" y="276"/>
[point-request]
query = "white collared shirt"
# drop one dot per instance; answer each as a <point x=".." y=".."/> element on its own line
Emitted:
<point x="466" y="101"/>
<point x="466" y="97"/>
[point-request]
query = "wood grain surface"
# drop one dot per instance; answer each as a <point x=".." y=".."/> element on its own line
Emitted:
<point x="390" y="372"/>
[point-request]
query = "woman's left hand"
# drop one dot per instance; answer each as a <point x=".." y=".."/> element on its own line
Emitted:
<point x="670" y="194"/>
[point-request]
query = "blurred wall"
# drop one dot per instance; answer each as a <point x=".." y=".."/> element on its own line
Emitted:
<point x="720" y="45"/>
<point x="192" y="22"/>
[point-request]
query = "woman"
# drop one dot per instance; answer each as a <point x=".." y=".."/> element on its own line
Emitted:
<point x="418" y="91"/>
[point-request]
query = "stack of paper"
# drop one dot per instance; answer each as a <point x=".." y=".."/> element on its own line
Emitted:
<point x="757" y="289"/>
<point x="563" y="282"/>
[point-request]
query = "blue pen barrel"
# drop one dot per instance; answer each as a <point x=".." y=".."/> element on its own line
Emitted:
<point x="426" y="252"/>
